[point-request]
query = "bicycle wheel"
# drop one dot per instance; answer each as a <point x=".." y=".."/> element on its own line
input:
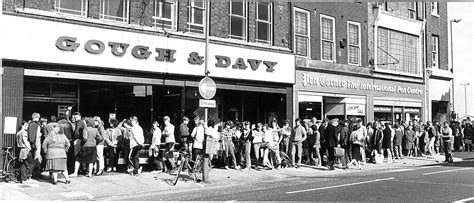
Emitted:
<point x="13" y="171"/>
<point x="180" y="167"/>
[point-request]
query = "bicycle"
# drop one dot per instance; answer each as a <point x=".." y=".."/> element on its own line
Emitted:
<point x="185" y="163"/>
<point x="11" y="166"/>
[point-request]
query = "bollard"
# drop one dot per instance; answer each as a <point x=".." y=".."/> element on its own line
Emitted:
<point x="205" y="168"/>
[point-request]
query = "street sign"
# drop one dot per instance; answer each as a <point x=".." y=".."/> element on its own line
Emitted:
<point x="207" y="88"/>
<point x="206" y="103"/>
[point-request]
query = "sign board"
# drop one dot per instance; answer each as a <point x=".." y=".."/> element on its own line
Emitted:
<point x="207" y="88"/>
<point x="205" y="103"/>
<point x="355" y="109"/>
<point x="10" y="125"/>
<point x="63" y="109"/>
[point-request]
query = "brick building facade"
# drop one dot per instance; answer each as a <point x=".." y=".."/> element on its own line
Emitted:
<point x="145" y="58"/>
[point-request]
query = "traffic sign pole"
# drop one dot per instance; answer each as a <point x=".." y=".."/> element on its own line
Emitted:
<point x="206" y="162"/>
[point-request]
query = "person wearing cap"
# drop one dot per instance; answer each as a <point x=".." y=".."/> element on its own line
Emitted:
<point x="184" y="134"/>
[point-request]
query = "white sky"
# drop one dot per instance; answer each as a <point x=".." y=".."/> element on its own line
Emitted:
<point x="463" y="43"/>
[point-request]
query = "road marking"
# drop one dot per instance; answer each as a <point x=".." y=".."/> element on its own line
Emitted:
<point x="425" y="167"/>
<point x="446" y="171"/>
<point x="401" y="170"/>
<point x="337" y="186"/>
<point x="465" y="200"/>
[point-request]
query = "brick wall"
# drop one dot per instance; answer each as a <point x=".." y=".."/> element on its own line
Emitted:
<point x="342" y="12"/>
<point x="282" y="26"/>
<point x="438" y="26"/>
<point x="219" y="25"/>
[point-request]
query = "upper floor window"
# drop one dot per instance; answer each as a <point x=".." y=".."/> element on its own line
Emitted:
<point x="196" y="12"/>
<point x="75" y="7"/>
<point x="412" y="10"/>
<point x="238" y="20"/>
<point x="116" y="10"/>
<point x="353" y="40"/>
<point x="264" y="22"/>
<point x="434" y="51"/>
<point x="328" y="39"/>
<point x="434" y="8"/>
<point x="397" y="52"/>
<point x="165" y="14"/>
<point x="301" y="28"/>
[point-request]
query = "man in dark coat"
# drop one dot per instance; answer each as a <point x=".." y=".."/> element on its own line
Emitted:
<point x="34" y="132"/>
<point x="344" y="142"/>
<point x="322" y="150"/>
<point x="330" y="138"/>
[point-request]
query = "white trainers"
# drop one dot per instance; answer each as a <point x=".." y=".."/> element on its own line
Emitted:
<point x="140" y="170"/>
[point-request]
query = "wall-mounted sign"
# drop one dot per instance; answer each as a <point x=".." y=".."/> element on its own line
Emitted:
<point x="355" y="109"/>
<point x="328" y="81"/>
<point x="83" y="45"/>
<point x="10" y="125"/>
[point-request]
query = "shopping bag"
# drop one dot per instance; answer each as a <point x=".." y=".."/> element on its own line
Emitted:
<point x="467" y="141"/>
<point x="211" y="147"/>
<point x="378" y="158"/>
<point x="338" y="152"/>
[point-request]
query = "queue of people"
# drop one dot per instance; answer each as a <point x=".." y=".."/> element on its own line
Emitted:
<point x="89" y="146"/>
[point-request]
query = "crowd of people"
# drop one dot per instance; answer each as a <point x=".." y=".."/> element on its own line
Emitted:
<point x="76" y="145"/>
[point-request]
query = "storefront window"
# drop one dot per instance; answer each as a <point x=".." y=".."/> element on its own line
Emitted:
<point x="383" y="113"/>
<point x="308" y="110"/>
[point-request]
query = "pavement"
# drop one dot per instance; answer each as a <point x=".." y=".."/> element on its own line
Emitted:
<point x="148" y="186"/>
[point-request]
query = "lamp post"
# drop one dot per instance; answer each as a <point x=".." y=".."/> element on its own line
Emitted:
<point x="452" y="60"/>
<point x="465" y="97"/>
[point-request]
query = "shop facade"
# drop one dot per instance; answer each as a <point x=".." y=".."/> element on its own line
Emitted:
<point x="121" y="73"/>
<point x="335" y="95"/>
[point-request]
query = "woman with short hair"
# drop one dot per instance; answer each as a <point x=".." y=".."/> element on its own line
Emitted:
<point x="55" y="147"/>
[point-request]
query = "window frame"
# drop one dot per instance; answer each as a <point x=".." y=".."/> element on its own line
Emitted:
<point x="359" y="42"/>
<point x="190" y="23"/>
<point x="412" y="9"/>
<point x="245" y="17"/>
<point x="126" y="12"/>
<point x="270" y="22"/>
<point x="308" y="36"/>
<point x="333" y="37"/>
<point x="419" y="53"/>
<point x="84" y="5"/>
<point x="435" y="52"/>
<point x="435" y="9"/>
<point x="174" y="12"/>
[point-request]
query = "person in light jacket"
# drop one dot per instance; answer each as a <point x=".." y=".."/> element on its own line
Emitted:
<point x="154" y="151"/>
<point x="112" y="139"/>
<point x="55" y="146"/>
<point x="198" y="137"/>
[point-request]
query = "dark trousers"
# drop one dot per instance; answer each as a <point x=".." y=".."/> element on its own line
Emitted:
<point x="26" y="167"/>
<point x="134" y="158"/>
<point x="331" y="157"/>
<point x="447" y="152"/>
<point x="112" y="155"/>
<point x="157" y="162"/>
<point x="71" y="158"/>
<point x="196" y="152"/>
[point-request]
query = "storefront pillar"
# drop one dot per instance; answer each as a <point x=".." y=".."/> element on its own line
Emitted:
<point x="12" y="103"/>
<point x="289" y="105"/>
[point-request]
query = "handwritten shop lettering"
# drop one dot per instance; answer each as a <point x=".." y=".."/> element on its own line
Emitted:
<point x="141" y="52"/>
<point x="324" y="81"/>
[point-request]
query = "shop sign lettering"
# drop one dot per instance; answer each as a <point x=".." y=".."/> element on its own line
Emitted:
<point x="141" y="52"/>
<point x="323" y="81"/>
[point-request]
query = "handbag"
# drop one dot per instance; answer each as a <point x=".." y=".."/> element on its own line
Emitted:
<point x="338" y="152"/>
